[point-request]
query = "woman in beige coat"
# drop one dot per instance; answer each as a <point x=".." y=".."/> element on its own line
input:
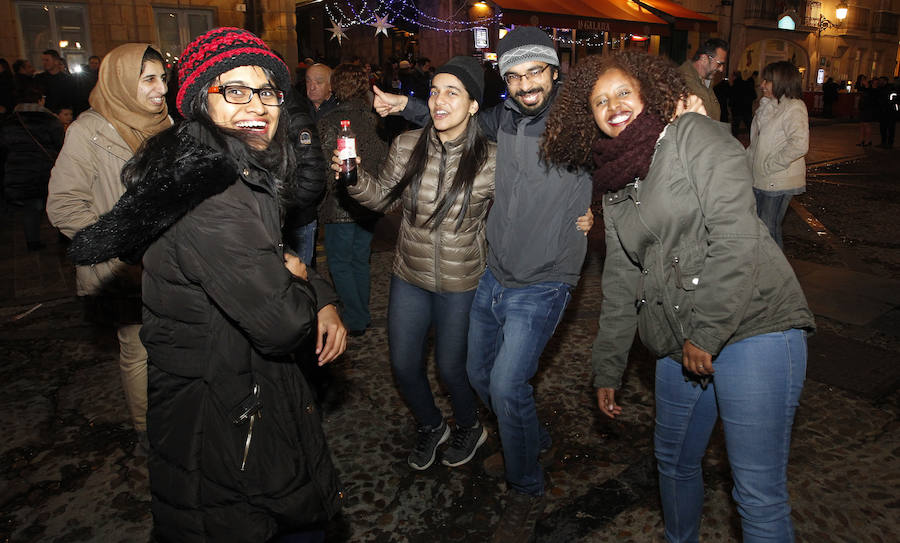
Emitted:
<point x="779" y="141"/>
<point x="127" y="106"/>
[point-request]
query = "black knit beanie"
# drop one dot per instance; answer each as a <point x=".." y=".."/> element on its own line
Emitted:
<point x="525" y="44"/>
<point x="218" y="51"/>
<point x="469" y="71"/>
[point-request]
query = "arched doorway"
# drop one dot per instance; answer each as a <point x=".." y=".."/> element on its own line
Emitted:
<point x="758" y="54"/>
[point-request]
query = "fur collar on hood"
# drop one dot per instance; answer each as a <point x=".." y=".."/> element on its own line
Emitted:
<point x="178" y="172"/>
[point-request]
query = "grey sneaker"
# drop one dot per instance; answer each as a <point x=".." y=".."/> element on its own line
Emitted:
<point x="464" y="444"/>
<point x="520" y="514"/>
<point x="427" y="443"/>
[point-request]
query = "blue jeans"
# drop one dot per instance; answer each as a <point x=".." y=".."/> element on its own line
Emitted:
<point x="771" y="208"/>
<point x="305" y="242"/>
<point x="411" y="313"/>
<point x="348" y="246"/>
<point x="508" y="330"/>
<point x="755" y="389"/>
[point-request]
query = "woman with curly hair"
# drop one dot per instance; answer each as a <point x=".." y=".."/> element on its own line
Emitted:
<point x="691" y="268"/>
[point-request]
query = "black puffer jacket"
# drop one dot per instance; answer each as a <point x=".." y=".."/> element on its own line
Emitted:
<point x="221" y="314"/>
<point x="26" y="166"/>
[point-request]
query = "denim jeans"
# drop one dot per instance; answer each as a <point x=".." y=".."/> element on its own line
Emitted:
<point x="305" y="243"/>
<point x="771" y="208"/>
<point x="411" y="313"/>
<point x="508" y="330"/>
<point x="755" y="390"/>
<point x="348" y="246"/>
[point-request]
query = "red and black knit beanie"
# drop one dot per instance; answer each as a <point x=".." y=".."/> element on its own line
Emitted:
<point x="218" y="51"/>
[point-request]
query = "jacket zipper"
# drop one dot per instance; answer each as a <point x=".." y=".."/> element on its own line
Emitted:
<point x="442" y="171"/>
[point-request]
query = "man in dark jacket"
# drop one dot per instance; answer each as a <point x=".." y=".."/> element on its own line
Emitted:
<point x="309" y="177"/>
<point x="30" y="139"/>
<point x="58" y="86"/>
<point x="535" y="255"/>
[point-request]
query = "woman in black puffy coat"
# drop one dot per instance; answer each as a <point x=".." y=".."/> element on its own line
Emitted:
<point x="237" y="452"/>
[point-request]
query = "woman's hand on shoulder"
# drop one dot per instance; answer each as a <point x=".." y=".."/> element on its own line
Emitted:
<point x="606" y="400"/>
<point x="331" y="337"/>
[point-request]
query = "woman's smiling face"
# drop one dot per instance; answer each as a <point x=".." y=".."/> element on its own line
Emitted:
<point x="254" y="117"/>
<point x="615" y="101"/>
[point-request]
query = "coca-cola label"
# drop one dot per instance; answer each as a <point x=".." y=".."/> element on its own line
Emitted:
<point x="346" y="148"/>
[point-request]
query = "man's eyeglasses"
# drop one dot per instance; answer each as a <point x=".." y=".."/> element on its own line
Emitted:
<point x="530" y="75"/>
<point x="714" y="59"/>
<point x="239" y="94"/>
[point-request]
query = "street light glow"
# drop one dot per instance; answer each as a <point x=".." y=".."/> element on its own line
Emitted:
<point x="841" y="11"/>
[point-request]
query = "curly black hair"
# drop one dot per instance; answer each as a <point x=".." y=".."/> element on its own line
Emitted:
<point x="571" y="129"/>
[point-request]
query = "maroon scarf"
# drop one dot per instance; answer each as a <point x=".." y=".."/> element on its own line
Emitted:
<point x="618" y="161"/>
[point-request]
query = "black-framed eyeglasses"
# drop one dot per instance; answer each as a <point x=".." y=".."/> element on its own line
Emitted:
<point x="530" y="75"/>
<point x="239" y="94"/>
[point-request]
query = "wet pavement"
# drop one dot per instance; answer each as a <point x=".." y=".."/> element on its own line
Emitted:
<point x="70" y="470"/>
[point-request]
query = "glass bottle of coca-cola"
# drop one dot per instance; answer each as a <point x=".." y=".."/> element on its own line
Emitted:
<point x="346" y="145"/>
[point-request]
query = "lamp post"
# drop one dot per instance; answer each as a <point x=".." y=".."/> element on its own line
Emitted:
<point x="825" y="23"/>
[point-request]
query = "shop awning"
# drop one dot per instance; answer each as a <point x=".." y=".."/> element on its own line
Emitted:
<point x="681" y="17"/>
<point x="616" y="16"/>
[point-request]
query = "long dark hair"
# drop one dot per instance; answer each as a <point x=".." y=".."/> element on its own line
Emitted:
<point x="278" y="158"/>
<point x="474" y="155"/>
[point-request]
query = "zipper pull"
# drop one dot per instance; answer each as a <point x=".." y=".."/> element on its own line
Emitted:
<point x="247" y="443"/>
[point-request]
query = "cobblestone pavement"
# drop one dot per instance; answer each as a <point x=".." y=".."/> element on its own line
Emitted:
<point x="69" y="468"/>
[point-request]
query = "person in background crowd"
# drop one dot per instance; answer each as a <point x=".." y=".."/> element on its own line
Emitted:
<point x="742" y="97"/>
<point x="318" y="90"/>
<point x="534" y="258"/>
<point x="829" y="97"/>
<point x="30" y="140"/>
<point x="494" y="86"/>
<point x="723" y="95"/>
<point x="348" y="225"/>
<point x="710" y="59"/>
<point x="690" y="267"/>
<point x="779" y="141"/>
<point x="237" y="448"/>
<point x="59" y="88"/>
<point x="7" y="87"/>
<point x="866" y="106"/>
<point x="23" y="72"/>
<point x="65" y="115"/>
<point x="888" y="107"/>
<point x="127" y="107"/>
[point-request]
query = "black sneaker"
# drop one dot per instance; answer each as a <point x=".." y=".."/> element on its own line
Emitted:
<point x="464" y="444"/>
<point x="427" y="443"/>
<point x="520" y="514"/>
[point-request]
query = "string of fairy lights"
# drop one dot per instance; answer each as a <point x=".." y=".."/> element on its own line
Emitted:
<point x="381" y="14"/>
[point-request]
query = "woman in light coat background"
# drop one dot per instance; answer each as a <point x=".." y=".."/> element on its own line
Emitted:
<point x="779" y="141"/>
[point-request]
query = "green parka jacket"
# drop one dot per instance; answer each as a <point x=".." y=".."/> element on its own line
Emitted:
<point x="687" y="257"/>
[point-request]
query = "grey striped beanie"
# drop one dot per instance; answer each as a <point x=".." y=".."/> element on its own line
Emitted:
<point x="525" y="44"/>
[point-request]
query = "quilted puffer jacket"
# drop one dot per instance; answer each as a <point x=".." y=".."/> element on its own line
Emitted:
<point x="444" y="259"/>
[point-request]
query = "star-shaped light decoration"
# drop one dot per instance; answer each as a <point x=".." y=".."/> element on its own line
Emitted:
<point x="381" y="25"/>
<point x="337" y="31"/>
